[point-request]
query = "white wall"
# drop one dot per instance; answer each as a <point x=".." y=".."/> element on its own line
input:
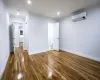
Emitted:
<point x="4" y="37"/>
<point x="38" y="33"/>
<point x="17" y="19"/>
<point x="21" y="38"/>
<point x="26" y="35"/>
<point x="82" y="37"/>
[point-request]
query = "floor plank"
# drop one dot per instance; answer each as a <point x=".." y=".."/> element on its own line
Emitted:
<point x="51" y="65"/>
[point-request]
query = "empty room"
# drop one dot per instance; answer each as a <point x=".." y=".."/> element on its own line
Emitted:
<point x="49" y="39"/>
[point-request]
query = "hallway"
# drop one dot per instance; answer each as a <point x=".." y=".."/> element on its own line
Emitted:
<point x="50" y="65"/>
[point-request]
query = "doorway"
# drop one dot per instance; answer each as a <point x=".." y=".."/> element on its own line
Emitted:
<point x="16" y="36"/>
<point x="53" y="36"/>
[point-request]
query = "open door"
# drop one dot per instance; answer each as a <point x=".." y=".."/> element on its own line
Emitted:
<point x="16" y="35"/>
<point x="50" y="36"/>
<point x="56" y="37"/>
<point x="53" y="36"/>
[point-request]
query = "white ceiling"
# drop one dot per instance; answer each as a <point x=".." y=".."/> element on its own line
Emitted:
<point x="50" y="7"/>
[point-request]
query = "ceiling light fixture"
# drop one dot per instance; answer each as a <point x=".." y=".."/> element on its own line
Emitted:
<point x="17" y="13"/>
<point x="29" y="2"/>
<point x="58" y="13"/>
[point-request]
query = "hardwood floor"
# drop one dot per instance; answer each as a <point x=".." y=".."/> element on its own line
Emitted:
<point x="50" y="65"/>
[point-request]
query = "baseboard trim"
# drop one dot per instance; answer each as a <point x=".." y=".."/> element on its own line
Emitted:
<point x="82" y="55"/>
<point x="0" y="77"/>
<point x="3" y="69"/>
<point x="32" y="53"/>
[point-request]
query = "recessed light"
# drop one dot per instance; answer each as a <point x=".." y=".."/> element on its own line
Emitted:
<point x="58" y="13"/>
<point x="17" y="13"/>
<point x="29" y="2"/>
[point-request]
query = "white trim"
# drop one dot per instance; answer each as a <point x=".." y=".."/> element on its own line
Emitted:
<point x="3" y="69"/>
<point x="83" y="55"/>
<point x="38" y="52"/>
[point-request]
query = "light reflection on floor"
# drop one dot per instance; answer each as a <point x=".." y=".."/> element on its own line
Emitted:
<point x="19" y="76"/>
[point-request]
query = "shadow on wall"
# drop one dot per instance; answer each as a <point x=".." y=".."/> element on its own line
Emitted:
<point x="11" y="37"/>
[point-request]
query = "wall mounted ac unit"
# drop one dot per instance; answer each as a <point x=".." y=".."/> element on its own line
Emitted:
<point x="79" y="17"/>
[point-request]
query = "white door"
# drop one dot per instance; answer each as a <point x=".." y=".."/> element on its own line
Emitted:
<point x="50" y="36"/>
<point x="56" y="37"/>
<point x="16" y="35"/>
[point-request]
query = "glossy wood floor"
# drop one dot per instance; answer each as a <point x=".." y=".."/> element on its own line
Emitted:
<point x="50" y="65"/>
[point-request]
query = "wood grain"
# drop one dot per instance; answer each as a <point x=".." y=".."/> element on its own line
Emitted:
<point x="51" y="65"/>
